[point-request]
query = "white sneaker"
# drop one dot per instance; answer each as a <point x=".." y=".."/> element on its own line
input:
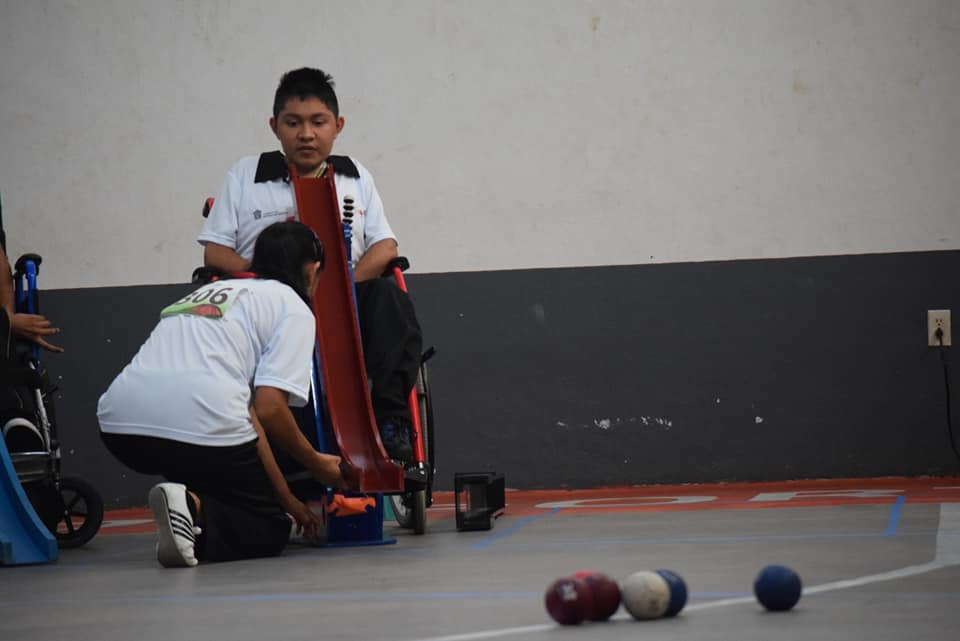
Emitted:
<point x="177" y="533"/>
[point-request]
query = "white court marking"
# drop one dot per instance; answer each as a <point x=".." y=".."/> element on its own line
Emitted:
<point x="109" y="523"/>
<point x="947" y="554"/>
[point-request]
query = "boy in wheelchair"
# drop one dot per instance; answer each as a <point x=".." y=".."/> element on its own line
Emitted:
<point x="257" y="192"/>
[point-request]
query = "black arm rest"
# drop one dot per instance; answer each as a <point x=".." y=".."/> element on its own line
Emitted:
<point x="19" y="375"/>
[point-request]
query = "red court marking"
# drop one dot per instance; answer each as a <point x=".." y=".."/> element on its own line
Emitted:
<point x="667" y="498"/>
<point x="735" y="496"/>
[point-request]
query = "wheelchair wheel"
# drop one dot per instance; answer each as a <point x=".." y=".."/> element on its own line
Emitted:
<point x="410" y="508"/>
<point x="81" y="512"/>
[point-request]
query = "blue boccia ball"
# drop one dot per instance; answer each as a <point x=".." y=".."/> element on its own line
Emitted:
<point x="678" y="592"/>
<point x="778" y="588"/>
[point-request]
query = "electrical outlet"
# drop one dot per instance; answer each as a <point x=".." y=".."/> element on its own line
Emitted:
<point x="938" y="319"/>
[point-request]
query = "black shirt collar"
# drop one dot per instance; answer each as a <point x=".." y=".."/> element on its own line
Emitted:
<point x="273" y="166"/>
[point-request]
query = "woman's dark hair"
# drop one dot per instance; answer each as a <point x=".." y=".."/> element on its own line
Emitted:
<point x="281" y="251"/>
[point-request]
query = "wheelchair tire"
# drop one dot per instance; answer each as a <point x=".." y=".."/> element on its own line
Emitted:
<point x="410" y="508"/>
<point x="81" y="513"/>
<point x="418" y="512"/>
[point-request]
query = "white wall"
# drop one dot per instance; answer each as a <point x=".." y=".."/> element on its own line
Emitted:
<point x="503" y="134"/>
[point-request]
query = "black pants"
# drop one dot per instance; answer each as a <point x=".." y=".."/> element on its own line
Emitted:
<point x="241" y="515"/>
<point x="392" y="344"/>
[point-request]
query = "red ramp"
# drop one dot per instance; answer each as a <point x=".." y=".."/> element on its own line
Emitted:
<point x="338" y="337"/>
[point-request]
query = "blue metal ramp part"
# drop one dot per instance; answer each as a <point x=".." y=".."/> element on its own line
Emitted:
<point x="23" y="536"/>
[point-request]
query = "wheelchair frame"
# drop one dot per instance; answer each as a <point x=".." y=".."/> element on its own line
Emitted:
<point x="69" y="506"/>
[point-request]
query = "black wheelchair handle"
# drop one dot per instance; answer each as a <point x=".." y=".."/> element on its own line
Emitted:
<point x="204" y="275"/>
<point x="399" y="261"/>
<point x="207" y="206"/>
<point x="21" y="266"/>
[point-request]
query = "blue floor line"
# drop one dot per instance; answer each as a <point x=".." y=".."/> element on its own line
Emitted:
<point x="894" y="519"/>
<point x="513" y="528"/>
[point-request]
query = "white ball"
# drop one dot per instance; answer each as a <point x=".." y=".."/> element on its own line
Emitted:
<point x="645" y="595"/>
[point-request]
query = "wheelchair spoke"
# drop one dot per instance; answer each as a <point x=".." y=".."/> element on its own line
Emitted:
<point x="67" y="522"/>
<point x="73" y="502"/>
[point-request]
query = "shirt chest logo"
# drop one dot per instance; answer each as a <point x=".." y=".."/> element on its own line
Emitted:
<point x="258" y="214"/>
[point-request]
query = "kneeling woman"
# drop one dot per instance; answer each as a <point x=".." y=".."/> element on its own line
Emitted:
<point x="182" y="409"/>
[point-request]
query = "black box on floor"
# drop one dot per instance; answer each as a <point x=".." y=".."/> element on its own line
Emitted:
<point x="480" y="498"/>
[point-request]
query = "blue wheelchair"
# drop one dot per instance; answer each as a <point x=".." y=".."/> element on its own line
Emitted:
<point x="69" y="506"/>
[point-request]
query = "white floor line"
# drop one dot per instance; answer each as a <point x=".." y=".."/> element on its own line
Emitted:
<point x="947" y="554"/>
<point x="901" y="573"/>
<point x="124" y="522"/>
<point x="948" y="535"/>
<point x="492" y="634"/>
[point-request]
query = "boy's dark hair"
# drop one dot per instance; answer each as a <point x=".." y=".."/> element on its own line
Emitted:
<point x="281" y="251"/>
<point x="304" y="83"/>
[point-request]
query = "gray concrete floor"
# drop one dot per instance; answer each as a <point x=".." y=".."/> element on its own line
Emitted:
<point x="863" y="579"/>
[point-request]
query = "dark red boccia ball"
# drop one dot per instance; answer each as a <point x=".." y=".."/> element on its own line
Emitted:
<point x="605" y="592"/>
<point x="568" y="600"/>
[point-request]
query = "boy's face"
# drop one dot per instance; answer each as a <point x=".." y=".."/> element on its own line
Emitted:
<point x="306" y="130"/>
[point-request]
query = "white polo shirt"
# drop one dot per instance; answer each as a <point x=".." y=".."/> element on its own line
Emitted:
<point x="191" y="380"/>
<point x="257" y="193"/>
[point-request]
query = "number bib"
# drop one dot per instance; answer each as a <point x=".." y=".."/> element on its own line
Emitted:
<point x="210" y="301"/>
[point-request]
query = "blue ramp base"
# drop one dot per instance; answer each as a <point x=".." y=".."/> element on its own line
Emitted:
<point x="356" y="529"/>
<point x="23" y="536"/>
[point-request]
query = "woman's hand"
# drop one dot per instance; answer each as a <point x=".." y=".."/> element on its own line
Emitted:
<point x="309" y="525"/>
<point x="333" y="472"/>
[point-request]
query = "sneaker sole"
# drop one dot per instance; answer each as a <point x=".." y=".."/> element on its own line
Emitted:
<point x="168" y="554"/>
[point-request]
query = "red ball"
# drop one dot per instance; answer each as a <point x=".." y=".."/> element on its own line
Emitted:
<point x="568" y="600"/>
<point x="605" y="592"/>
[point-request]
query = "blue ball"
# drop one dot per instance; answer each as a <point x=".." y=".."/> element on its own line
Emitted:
<point x="678" y="592"/>
<point x="777" y="587"/>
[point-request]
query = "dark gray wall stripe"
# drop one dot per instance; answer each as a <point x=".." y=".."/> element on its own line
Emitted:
<point x="729" y="371"/>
